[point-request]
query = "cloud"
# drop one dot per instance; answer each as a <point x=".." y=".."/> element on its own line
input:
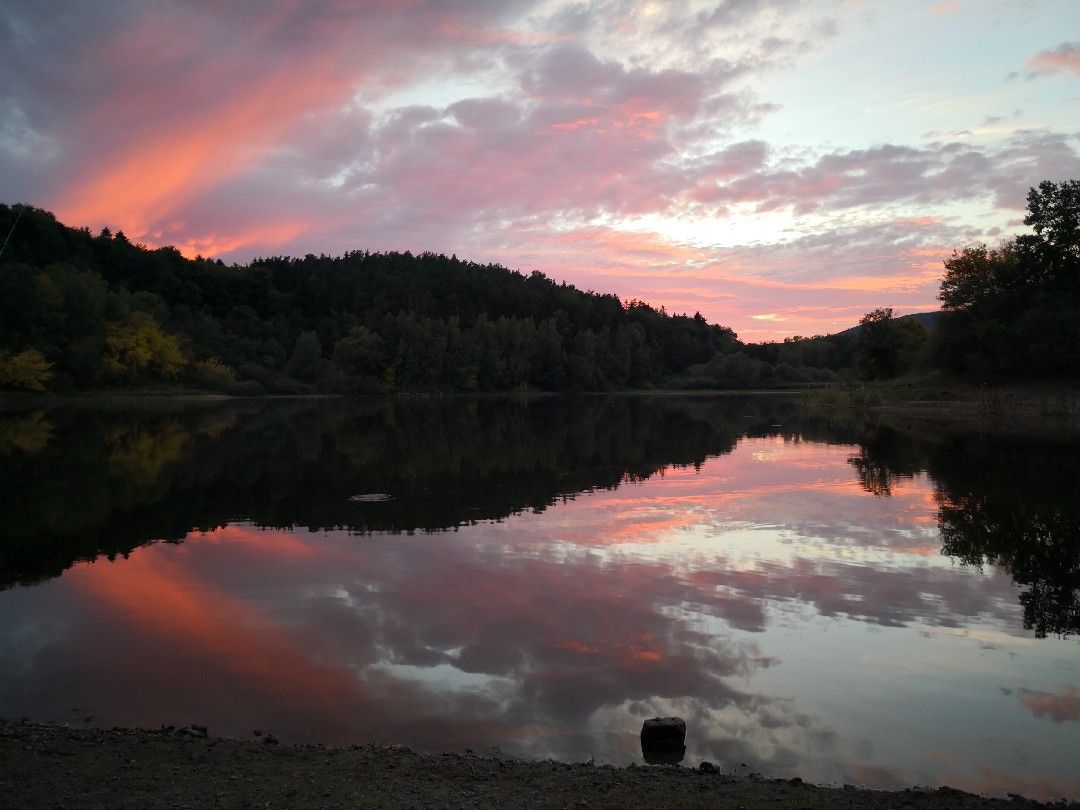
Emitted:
<point x="553" y="634"/>
<point x="624" y="148"/>
<point x="730" y="12"/>
<point x="1065" y="58"/>
<point x="888" y="174"/>
<point x="572" y="74"/>
<point x="183" y="98"/>
<point x="946" y="7"/>
<point x="1057" y="707"/>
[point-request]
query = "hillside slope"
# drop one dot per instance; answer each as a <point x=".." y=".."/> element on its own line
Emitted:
<point x="100" y="311"/>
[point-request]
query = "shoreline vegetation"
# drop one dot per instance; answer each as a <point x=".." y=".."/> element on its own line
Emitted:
<point x="84" y="312"/>
<point x="50" y="765"/>
<point x="1050" y="405"/>
<point x="931" y="398"/>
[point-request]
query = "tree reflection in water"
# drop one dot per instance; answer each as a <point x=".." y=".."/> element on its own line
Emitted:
<point x="1002" y="501"/>
<point x="543" y="574"/>
<point x="77" y="483"/>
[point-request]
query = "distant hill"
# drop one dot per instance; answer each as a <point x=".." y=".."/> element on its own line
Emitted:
<point x="928" y="319"/>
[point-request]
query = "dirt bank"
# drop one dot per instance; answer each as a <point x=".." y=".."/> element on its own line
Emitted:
<point x="54" y="766"/>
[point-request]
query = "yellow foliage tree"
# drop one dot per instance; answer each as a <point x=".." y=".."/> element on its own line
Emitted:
<point x="29" y="434"/>
<point x="28" y="370"/>
<point x="139" y="346"/>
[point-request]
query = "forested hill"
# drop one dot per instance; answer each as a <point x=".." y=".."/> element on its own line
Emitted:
<point x="81" y="311"/>
<point x="85" y="311"/>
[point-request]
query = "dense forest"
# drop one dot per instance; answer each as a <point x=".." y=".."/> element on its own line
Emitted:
<point x="81" y="311"/>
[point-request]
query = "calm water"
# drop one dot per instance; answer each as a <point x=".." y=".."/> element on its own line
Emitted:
<point x="887" y="605"/>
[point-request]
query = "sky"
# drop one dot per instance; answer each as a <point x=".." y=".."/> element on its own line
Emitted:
<point x="781" y="166"/>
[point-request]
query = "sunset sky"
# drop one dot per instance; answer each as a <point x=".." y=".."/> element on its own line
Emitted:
<point x="782" y="166"/>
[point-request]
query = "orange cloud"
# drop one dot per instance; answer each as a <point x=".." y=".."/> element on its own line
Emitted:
<point x="570" y="126"/>
<point x="164" y="169"/>
<point x="947" y="6"/>
<point x="161" y="600"/>
<point x="263" y="236"/>
<point x="266" y="542"/>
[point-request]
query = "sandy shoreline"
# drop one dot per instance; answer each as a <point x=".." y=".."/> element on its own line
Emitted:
<point x="56" y="766"/>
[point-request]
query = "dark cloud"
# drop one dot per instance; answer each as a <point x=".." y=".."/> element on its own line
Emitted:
<point x="570" y="72"/>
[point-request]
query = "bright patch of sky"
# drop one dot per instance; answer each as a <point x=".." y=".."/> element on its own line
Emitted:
<point x="904" y="72"/>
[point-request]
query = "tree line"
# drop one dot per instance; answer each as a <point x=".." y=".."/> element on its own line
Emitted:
<point x="1009" y="313"/>
<point x="83" y="311"/>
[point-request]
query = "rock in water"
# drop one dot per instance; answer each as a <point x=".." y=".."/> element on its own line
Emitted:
<point x="663" y="756"/>
<point x="663" y="740"/>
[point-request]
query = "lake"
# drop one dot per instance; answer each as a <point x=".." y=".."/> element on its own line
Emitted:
<point x="884" y="602"/>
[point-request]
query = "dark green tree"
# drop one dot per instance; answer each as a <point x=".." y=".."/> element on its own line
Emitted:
<point x="306" y="361"/>
<point x="1054" y="216"/>
<point x="1011" y="310"/>
<point x="886" y="346"/>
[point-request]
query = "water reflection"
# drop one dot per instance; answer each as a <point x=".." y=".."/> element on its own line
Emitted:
<point x="545" y="575"/>
<point x="1001" y="501"/>
<point x="107" y="482"/>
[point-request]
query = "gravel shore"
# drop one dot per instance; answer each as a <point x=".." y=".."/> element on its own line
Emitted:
<point x="54" y="766"/>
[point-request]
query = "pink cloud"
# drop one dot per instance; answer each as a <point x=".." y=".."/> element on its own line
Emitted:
<point x="183" y="99"/>
<point x="1058" y="707"/>
<point x="1065" y="58"/>
<point x="947" y="7"/>
<point x="315" y="129"/>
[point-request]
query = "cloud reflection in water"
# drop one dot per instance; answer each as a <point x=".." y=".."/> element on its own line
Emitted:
<point x="800" y="621"/>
